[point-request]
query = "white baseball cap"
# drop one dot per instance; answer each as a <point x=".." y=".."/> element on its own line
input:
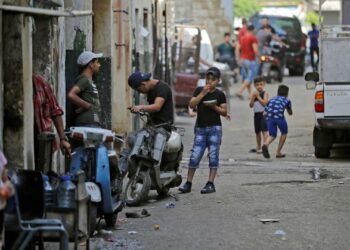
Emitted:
<point x="85" y="57"/>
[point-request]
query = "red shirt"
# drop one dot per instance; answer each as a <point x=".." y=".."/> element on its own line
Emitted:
<point x="45" y="105"/>
<point x="247" y="51"/>
<point x="242" y="32"/>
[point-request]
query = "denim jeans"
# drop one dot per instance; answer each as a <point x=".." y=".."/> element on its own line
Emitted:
<point x="207" y="137"/>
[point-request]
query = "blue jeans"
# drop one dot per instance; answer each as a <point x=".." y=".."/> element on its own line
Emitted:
<point x="207" y="137"/>
<point x="250" y="70"/>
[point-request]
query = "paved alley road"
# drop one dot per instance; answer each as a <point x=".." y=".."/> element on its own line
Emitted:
<point x="312" y="215"/>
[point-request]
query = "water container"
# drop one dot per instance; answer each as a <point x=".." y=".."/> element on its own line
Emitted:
<point x="66" y="193"/>
<point x="48" y="192"/>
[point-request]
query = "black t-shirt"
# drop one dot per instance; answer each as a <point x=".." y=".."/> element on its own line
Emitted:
<point x="206" y="116"/>
<point x="166" y="113"/>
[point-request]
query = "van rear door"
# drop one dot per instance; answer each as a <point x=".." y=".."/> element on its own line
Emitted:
<point x="337" y="99"/>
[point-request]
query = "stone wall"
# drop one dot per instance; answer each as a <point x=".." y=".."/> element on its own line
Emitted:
<point x="204" y="12"/>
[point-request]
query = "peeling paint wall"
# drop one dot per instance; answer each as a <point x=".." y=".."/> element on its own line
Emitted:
<point x="13" y="89"/>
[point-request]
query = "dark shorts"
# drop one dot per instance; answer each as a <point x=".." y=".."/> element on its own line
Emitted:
<point x="273" y="124"/>
<point x="259" y="123"/>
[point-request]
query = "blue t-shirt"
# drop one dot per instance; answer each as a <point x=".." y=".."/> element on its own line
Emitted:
<point x="313" y="35"/>
<point x="276" y="106"/>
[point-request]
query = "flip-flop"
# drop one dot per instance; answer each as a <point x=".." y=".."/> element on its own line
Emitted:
<point x="253" y="150"/>
<point x="280" y="156"/>
<point x="265" y="152"/>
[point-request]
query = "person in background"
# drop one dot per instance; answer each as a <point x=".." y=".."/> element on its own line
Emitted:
<point x="242" y="30"/>
<point x="227" y="52"/>
<point x="47" y="113"/>
<point x="84" y="94"/>
<point x="258" y="100"/>
<point x="313" y="35"/>
<point x="247" y="53"/>
<point x="6" y="191"/>
<point x="211" y="104"/>
<point x="274" y="112"/>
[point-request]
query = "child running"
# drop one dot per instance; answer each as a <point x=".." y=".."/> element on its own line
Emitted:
<point x="274" y="112"/>
<point x="258" y="102"/>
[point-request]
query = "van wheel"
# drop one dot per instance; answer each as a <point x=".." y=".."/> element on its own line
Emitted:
<point x="322" y="152"/>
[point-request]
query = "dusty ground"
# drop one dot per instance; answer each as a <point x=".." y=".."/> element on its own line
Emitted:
<point x="312" y="215"/>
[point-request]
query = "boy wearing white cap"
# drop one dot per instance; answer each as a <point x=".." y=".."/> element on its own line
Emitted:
<point x="84" y="93"/>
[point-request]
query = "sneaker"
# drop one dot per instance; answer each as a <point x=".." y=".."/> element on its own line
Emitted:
<point x="186" y="188"/>
<point x="208" y="188"/>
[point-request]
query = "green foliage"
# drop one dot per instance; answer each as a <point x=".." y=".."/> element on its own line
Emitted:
<point x="246" y="8"/>
<point x="312" y="17"/>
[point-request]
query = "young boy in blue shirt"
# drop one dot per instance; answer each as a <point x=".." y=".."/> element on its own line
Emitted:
<point x="274" y="112"/>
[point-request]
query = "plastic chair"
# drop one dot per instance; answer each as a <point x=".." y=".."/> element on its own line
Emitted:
<point x="29" y="211"/>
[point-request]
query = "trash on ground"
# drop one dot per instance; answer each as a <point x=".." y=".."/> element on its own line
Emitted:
<point x="132" y="232"/>
<point x="174" y="196"/>
<point x="281" y="233"/>
<point x="103" y="231"/>
<point x="111" y="238"/>
<point x="156" y="226"/>
<point x="315" y="172"/>
<point x="144" y="213"/>
<point x="170" y="205"/>
<point x="122" y="220"/>
<point x="269" y="220"/>
<point x="340" y="182"/>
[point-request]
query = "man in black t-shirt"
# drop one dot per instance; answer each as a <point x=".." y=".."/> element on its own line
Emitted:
<point x="159" y="97"/>
<point x="211" y="104"/>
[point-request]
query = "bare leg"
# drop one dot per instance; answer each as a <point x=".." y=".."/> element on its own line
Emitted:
<point x="190" y="174"/>
<point x="269" y="140"/>
<point x="264" y="136"/>
<point x="245" y="85"/>
<point x="258" y="141"/>
<point x="280" y="144"/>
<point x="249" y="88"/>
<point x="212" y="174"/>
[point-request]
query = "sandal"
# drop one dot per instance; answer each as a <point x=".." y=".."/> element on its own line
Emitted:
<point x="280" y="156"/>
<point x="265" y="152"/>
<point x="239" y="96"/>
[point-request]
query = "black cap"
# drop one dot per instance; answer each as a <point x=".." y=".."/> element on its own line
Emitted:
<point x="213" y="71"/>
<point x="250" y="26"/>
<point x="135" y="79"/>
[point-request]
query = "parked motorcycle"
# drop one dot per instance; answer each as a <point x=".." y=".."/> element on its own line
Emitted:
<point x="103" y="181"/>
<point x="272" y="62"/>
<point x="154" y="161"/>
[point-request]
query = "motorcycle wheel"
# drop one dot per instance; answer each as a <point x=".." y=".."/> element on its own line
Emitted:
<point x="92" y="218"/>
<point x="110" y="219"/>
<point x="137" y="189"/>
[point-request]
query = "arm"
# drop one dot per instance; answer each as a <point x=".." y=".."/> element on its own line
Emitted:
<point x="264" y="100"/>
<point x="238" y="51"/>
<point x="252" y="99"/>
<point x="57" y="120"/>
<point x="221" y="110"/>
<point x="196" y="99"/>
<point x="290" y="111"/>
<point x="73" y="96"/>
<point x="256" y="51"/>
<point x="151" y="108"/>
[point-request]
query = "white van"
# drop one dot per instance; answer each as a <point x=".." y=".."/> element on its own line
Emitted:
<point x="332" y="90"/>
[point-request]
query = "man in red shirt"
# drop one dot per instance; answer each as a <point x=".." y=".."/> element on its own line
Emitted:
<point x="248" y="53"/>
<point x="47" y="113"/>
<point x="242" y="30"/>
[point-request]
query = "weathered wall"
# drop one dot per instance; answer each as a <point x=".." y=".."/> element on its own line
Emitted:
<point x="206" y="12"/>
<point x="1" y="86"/>
<point x="121" y="64"/>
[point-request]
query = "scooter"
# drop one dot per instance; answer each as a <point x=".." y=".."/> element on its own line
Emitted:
<point x="272" y="62"/>
<point x="153" y="161"/>
<point x="94" y="159"/>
